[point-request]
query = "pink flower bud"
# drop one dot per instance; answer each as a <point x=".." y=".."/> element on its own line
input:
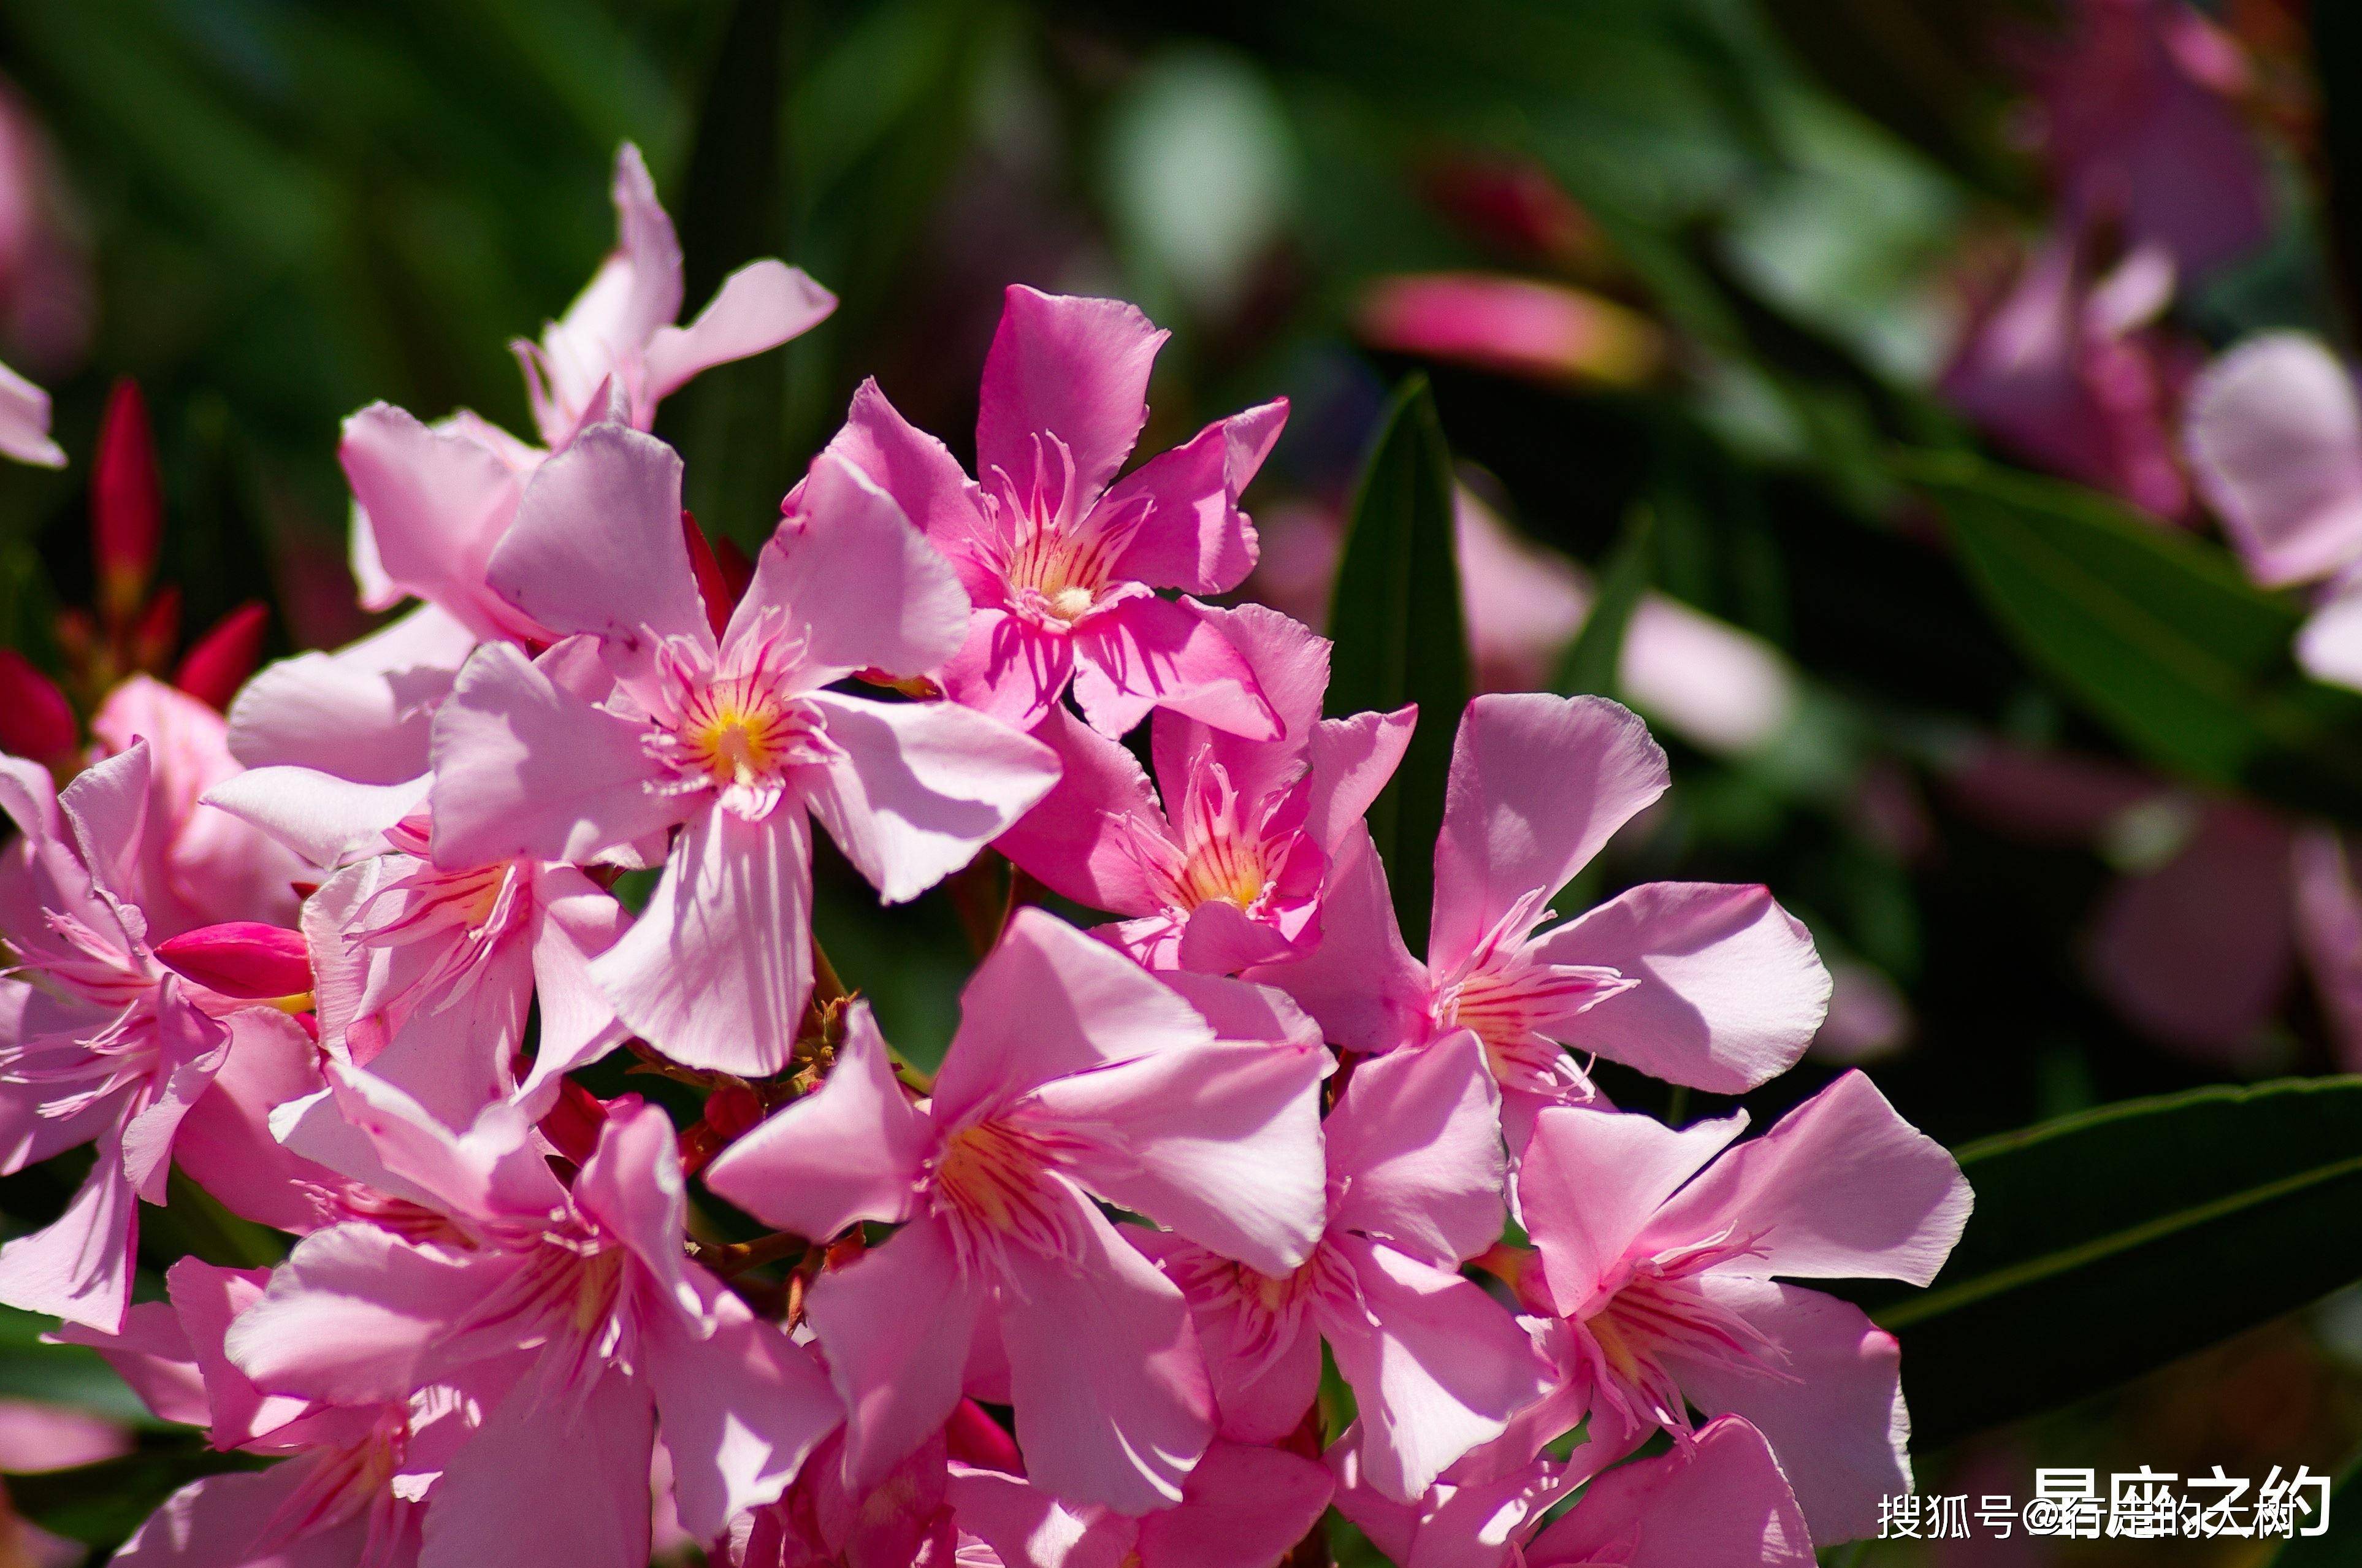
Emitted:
<point x="217" y="664"/>
<point x="36" y="721"/>
<point x="712" y="586"/>
<point x="241" y="958"/>
<point x="1518" y="327"/>
<point x="126" y="503"/>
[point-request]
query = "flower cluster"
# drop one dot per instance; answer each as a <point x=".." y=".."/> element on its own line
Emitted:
<point x="1068" y="1300"/>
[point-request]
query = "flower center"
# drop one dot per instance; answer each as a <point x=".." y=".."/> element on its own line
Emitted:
<point x="740" y="731"/>
<point x="1223" y="871"/>
<point x="1515" y="1001"/>
<point x="993" y="1183"/>
<point x="1056" y="571"/>
<point x="1662" y="1319"/>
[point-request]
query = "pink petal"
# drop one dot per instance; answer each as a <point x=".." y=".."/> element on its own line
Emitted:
<point x="1049" y="1002"/>
<point x="1841" y="1188"/>
<point x="910" y="613"/>
<point x="362" y="712"/>
<point x="925" y="480"/>
<point x="717" y="970"/>
<point x="1351" y="760"/>
<point x="1368" y="993"/>
<point x="434" y="503"/>
<point x="1009" y="669"/>
<point x="1720" y="1503"/>
<point x="1261" y="1390"/>
<point x="490" y="1172"/>
<point x="1291" y="669"/>
<point x="578" y="921"/>
<point x="1220" y="938"/>
<point x="853" y="1149"/>
<point x="530" y="1492"/>
<point x="152" y="1353"/>
<point x="1117" y="1416"/>
<point x="105" y="807"/>
<point x="597" y="546"/>
<point x="1833" y="1413"/>
<point x="326" y="820"/>
<point x="921" y="787"/>
<point x="1076" y="368"/>
<point x="742" y="1406"/>
<point x="646" y="243"/>
<point x="1074" y="840"/>
<point x="1240" y="1010"/>
<point x="1591" y="1182"/>
<point x="1158" y="653"/>
<point x="1241" y="1505"/>
<point x="2329" y="644"/>
<point x="896" y="1323"/>
<point x="349" y="1316"/>
<point x="1219" y="1142"/>
<point x="1538" y="785"/>
<point x="216" y="1523"/>
<point x="1194" y="538"/>
<point x="79" y="1266"/>
<point x="225" y="1144"/>
<point x="758" y="307"/>
<point x="24" y="423"/>
<point x="523" y="767"/>
<point x="632" y="1185"/>
<point x="1436" y="1365"/>
<point x="1730" y="990"/>
<point x="190" y="1048"/>
<point x="207" y="1298"/>
<point x="1414" y="1153"/>
<point x="2275" y="436"/>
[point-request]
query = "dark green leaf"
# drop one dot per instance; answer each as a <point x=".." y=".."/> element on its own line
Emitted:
<point x="1591" y="662"/>
<point x="60" y="1375"/>
<point x="101" y="1504"/>
<point x="2158" y="635"/>
<point x="2110" y="1243"/>
<point x="1395" y="620"/>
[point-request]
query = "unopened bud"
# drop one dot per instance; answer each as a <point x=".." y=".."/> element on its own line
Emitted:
<point x="241" y="958"/>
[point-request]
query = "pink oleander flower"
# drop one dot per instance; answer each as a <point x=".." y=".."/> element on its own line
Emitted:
<point x="1240" y="1508"/>
<point x="1547" y="332"/>
<point x="352" y="1479"/>
<point x="99" y="1043"/>
<point x="1719" y="1501"/>
<point x="432" y="502"/>
<point x="577" y="1299"/>
<point x="200" y="866"/>
<point x="24" y="423"/>
<point x="645" y="720"/>
<point x="2143" y="129"/>
<point x="424" y="974"/>
<point x="1661" y="1271"/>
<point x="1699" y="983"/>
<point x="1437" y="1366"/>
<point x="1075" y="1074"/>
<point x="1062" y="560"/>
<point x="2062" y="371"/>
<point x="2274" y="433"/>
<point x="1226" y="871"/>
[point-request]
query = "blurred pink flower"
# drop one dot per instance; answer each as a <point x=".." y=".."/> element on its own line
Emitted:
<point x="1075" y="1074"/>
<point x="1227" y="870"/>
<point x="46" y="293"/>
<point x="2061" y="371"/>
<point x="1060" y="557"/>
<point x="34" y="1439"/>
<point x="1519" y="327"/>
<point x="2141" y="124"/>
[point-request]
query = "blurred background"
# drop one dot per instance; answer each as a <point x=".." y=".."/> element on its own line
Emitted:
<point x="1703" y="287"/>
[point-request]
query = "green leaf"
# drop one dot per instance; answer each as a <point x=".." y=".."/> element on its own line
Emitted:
<point x="60" y="1375"/>
<point x="1396" y="621"/>
<point x="1592" y="662"/>
<point x="731" y="422"/>
<point x="2155" y="635"/>
<point x="2109" y="1242"/>
<point x="101" y="1504"/>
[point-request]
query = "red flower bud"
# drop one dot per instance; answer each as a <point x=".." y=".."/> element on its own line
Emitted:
<point x="241" y="958"/>
<point x="126" y="503"/>
<point x="975" y="1438"/>
<point x="217" y="664"/>
<point x="36" y="720"/>
<point x="712" y="586"/>
<point x="572" y="1124"/>
<point x="159" y="629"/>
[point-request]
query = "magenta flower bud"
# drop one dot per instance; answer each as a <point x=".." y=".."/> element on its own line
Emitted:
<point x="241" y="958"/>
<point x="217" y="664"/>
<point x="126" y="503"/>
<point x="36" y="720"/>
